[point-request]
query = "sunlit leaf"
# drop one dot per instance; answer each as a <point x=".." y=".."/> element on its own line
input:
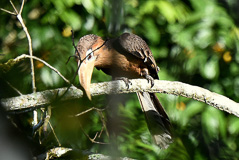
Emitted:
<point x="192" y="109"/>
<point x="236" y="86"/>
<point x="233" y="125"/>
<point x="211" y="68"/>
<point x="72" y="19"/>
<point x="46" y="77"/>
<point x="213" y="126"/>
<point x="151" y="31"/>
<point x="167" y="10"/>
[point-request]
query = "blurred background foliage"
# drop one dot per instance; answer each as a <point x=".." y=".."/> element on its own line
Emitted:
<point x="195" y="42"/>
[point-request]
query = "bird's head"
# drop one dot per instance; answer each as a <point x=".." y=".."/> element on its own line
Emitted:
<point x="87" y="47"/>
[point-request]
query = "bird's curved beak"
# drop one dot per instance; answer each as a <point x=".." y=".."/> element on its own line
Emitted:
<point x="85" y="73"/>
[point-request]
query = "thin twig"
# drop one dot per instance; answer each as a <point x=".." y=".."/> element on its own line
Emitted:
<point x="73" y="43"/>
<point x="78" y="55"/>
<point x="12" y="62"/>
<point x="30" y="48"/>
<point x="12" y="13"/>
<point x="70" y="58"/>
<point x="92" y="140"/>
<point x="13" y="6"/>
<point x="47" y="118"/>
<point x="14" y="88"/>
<point x="88" y="110"/>
<point x="19" y="17"/>
<point x="51" y="67"/>
<point x="20" y="12"/>
<point x="99" y="111"/>
<point x="54" y="133"/>
<point x="102" y="118"/>
<point x="101" y="131"/>
<point x="95" y="136"/>
<point x="84" y="112"/>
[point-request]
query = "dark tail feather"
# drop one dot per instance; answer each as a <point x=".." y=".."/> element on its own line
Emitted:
<point x="157" y="119"/>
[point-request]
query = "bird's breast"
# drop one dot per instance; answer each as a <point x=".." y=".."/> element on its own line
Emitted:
<point x="119" y="65"/>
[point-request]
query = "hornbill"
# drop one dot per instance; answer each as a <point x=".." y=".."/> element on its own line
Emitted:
<point x="126" y="56"/>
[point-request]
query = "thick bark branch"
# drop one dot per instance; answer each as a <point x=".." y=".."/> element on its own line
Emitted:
<point x="68" y="153"/>
<point x="118" y="87"/>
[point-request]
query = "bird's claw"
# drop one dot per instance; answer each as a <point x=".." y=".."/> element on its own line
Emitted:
<point x="150" y="80"/>
<point x="126" y="81"/>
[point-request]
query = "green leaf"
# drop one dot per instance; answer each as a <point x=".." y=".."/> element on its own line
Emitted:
<point x="167" y="10"/>
<point x="233" y="125"/>
<point x="151" y="31"/>
<point x="72" y="19"/>
<point x="213" y="123"/>
<point x="192" y="108"/>
<point x="211" y="69"/>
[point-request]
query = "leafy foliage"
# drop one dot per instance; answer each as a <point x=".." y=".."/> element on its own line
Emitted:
<point x="192" y="41"/>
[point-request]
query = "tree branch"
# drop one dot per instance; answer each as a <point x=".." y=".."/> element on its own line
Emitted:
<point x="118" y="87"/>
<point x="69" y="153"/>
<point x="19" y="17"/>
<point x="10" y="63"/>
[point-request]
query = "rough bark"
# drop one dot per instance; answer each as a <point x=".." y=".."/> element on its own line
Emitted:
<point x="118" y="87"/>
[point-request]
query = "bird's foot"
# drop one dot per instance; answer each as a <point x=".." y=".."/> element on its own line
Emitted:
<point x="126" y="81"/>
<point x="150" y="79"/>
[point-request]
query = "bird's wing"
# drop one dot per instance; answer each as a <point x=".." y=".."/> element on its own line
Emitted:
<point x="135" y="45"/>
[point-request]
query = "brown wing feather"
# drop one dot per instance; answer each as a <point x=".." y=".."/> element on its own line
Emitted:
<point x="138" y="47"/>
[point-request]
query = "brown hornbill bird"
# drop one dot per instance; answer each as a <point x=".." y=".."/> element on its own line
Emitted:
<point x="126" y="56"/>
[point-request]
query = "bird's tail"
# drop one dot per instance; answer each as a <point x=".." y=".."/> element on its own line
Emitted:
<point x="156" y="118"/>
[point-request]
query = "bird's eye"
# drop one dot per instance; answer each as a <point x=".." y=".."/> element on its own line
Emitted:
<point x="89" y="57"/>
<point x="89" y="54"/>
